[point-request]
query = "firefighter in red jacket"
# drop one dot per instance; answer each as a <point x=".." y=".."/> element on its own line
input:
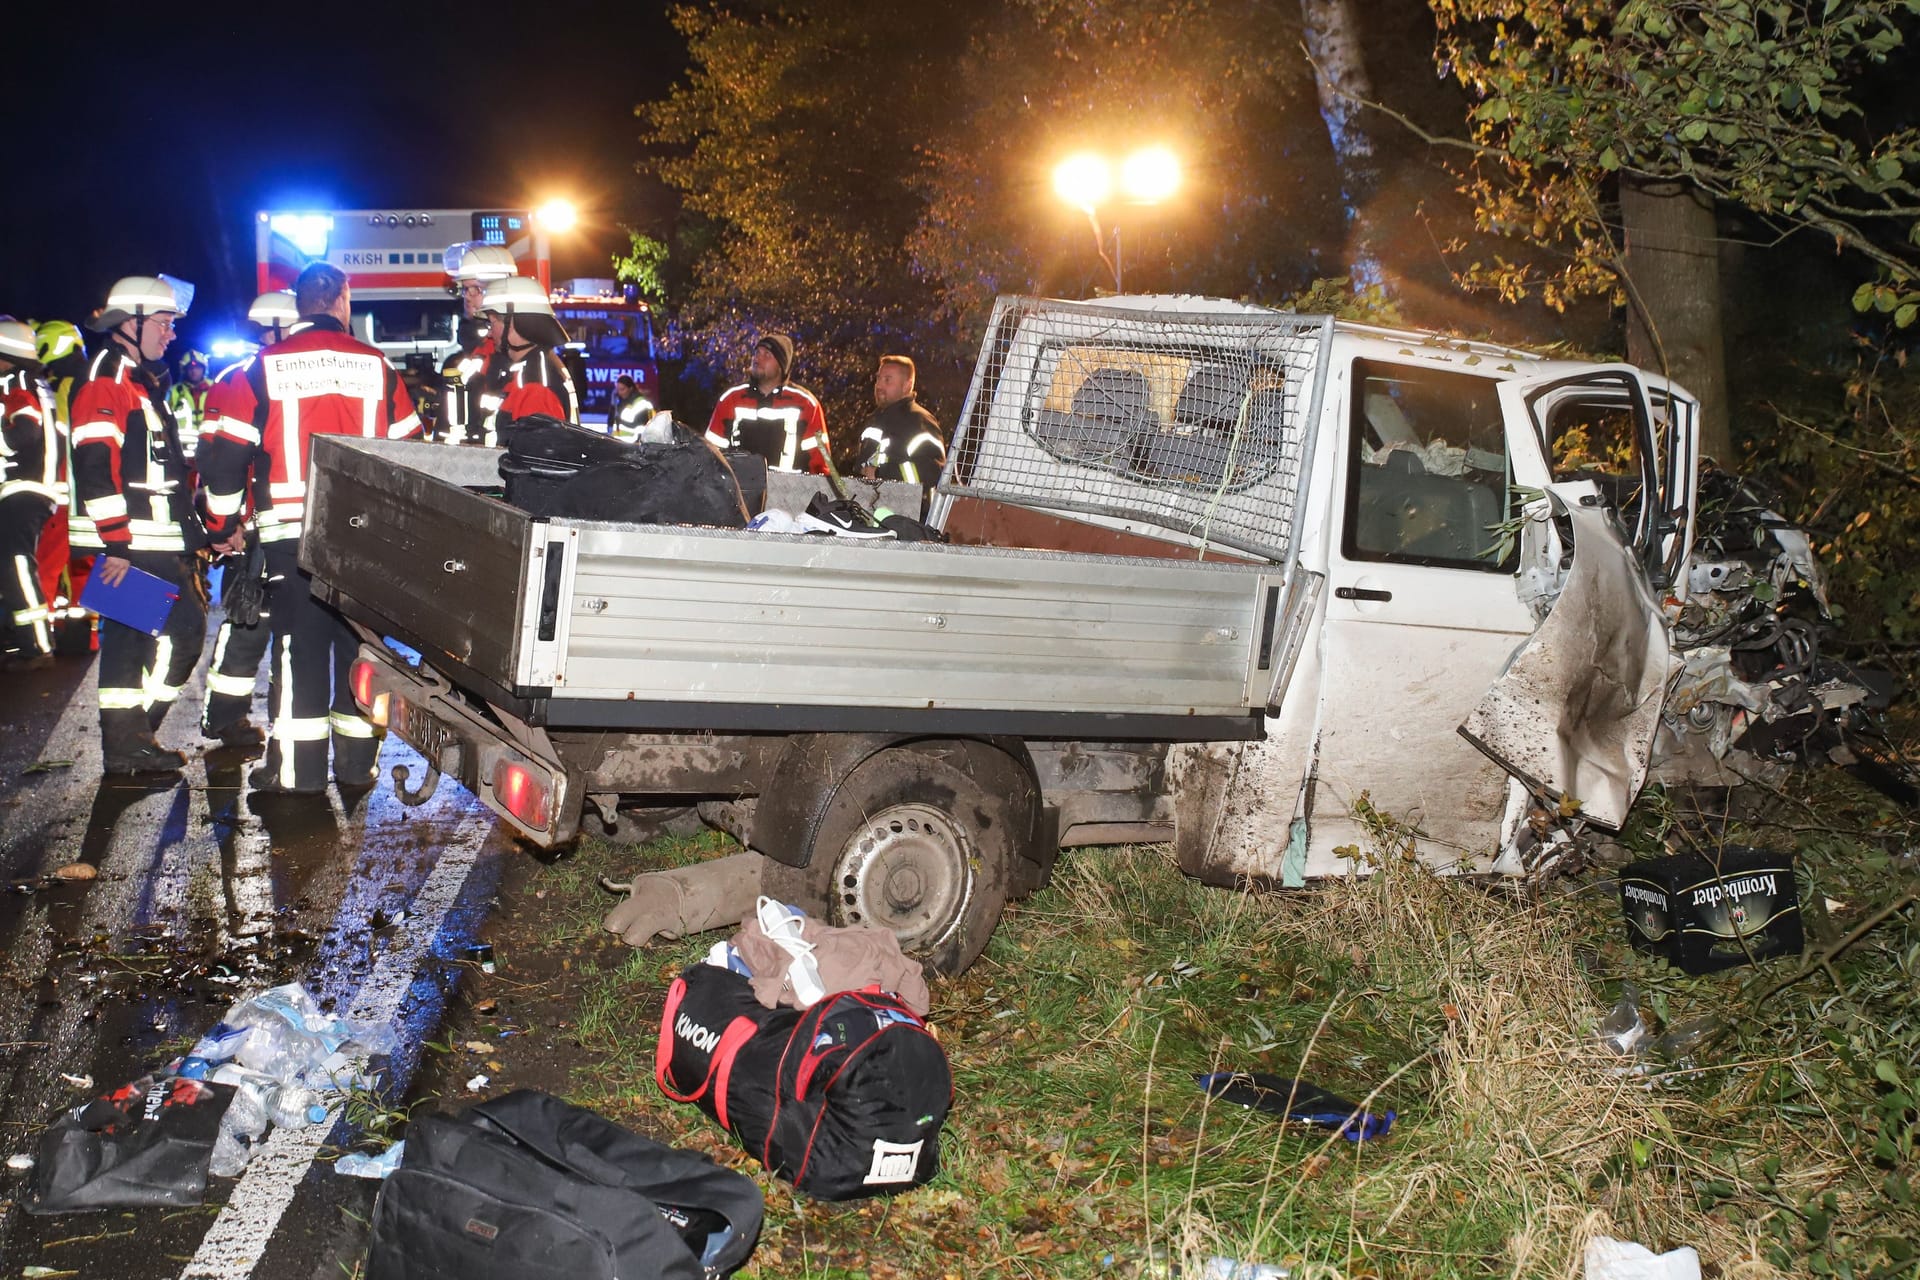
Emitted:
<point x="463" y="378"/>
<point x="319" y="381"/>
<point x="779" y="420"/>
<point x="237" y="650"/>
<point x="527" y="338"/>
<point x="131" y="478"/>
<point x="30" y="447"/>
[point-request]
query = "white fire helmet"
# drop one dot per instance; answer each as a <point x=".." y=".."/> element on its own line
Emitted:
<point x="517" y="295"/>
<point x="470" y="261"/>
<point x="274" y="310"/>
<point x="16" y="340"/>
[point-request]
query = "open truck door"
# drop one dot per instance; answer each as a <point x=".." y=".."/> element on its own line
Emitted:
<point x="1575" y="714"/>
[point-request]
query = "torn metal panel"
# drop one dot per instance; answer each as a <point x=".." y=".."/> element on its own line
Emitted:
<point x="1575" y="712"/>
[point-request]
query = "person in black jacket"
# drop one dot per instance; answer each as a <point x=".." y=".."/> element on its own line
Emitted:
<point x="902" y="441"/>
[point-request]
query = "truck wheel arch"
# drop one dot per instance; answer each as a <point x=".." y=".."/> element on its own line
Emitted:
<point x="927" y="838"/>
<point x="800" y="790"/>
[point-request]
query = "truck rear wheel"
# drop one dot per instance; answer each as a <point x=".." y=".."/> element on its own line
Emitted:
<point x="911" y="844"/>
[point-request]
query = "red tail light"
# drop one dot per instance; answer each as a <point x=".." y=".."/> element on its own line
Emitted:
<point x="362" y="682"/>
<point x="522" y="792"/>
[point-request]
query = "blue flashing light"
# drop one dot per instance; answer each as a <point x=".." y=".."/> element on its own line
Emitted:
<point x="307" y="232"/>
<point x="232" y="349"/>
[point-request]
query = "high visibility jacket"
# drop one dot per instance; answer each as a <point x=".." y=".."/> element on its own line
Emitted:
<point x="320" y="381"/>
<point x="629" y="416"/>
<point x="784" y="426"/>
<point x="537" y="384"/>
<point x="902" y="442"/>
<point x="188" y="405"/>
<point x="463" y="380"/>
<point x="230" y="383"/>
<point x="128" y="475"/>
<point x="31" y="447"/>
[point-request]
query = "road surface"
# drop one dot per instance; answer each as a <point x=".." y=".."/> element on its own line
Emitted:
<point x="204" y="894"/>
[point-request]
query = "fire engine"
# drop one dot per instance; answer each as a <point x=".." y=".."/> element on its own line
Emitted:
<point x="611" y="334"/>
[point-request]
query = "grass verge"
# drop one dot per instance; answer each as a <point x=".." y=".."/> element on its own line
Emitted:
<point x="1079" y="1144"/>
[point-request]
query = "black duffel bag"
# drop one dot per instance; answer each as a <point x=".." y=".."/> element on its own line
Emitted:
<point x="680" y="480"/>
<point x="843" y="1099"/>
<point x="527" y="1187"/>
<point x="543" y="453"/>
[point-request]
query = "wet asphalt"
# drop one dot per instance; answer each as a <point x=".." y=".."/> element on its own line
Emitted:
<point x="202" y="894"/>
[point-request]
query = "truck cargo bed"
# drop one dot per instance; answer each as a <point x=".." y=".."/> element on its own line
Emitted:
<point x="581" y="624"/>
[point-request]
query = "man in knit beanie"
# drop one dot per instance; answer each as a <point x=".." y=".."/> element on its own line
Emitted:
<point x="767" y="415"/>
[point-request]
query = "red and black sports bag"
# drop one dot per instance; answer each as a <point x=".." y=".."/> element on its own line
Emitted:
<point x="843" y="1099"/>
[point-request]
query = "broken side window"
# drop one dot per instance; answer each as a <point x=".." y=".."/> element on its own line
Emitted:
<point x="1428" y="478"/>
<point x="1595" y="432"/>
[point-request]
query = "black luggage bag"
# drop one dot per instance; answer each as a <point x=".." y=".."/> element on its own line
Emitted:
<point x="681" y="480"/>
<point x="527" y="1187"/>
<point x="543" y="453"/>
<point x="843" y="1099"/>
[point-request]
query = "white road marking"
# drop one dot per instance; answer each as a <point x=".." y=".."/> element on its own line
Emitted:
<point x="235" y="1243"/>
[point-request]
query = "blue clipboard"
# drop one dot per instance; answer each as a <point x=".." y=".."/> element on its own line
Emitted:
<point x="141" y="601"/>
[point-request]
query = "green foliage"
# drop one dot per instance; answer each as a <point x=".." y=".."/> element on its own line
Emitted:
<point x="872" y="183"/>
<point x="644" y="264"/>
<point x="1757" y="104"/>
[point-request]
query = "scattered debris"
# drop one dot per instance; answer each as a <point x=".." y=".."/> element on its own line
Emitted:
<point x="478" y="1083"/>
<point x="77" y="871"/>
<point x="1704" y="913"/>
<point x="358" y="1165"/>
<point x="78" y="1082"/>
<point x="1609" y="1259"/>
<point x="1297" y="1101"/>
<point x="47" y="766"/>
<point x="19" y="1161"/>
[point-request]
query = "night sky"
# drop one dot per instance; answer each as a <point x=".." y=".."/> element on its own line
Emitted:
<point x="144" y="138"/>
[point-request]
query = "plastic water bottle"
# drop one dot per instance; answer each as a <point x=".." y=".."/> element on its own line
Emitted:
<point x="243" y="1123"/>
<point x="293" y="1104"/>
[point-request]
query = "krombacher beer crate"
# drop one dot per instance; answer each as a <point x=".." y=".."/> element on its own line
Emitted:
<point x="1706" y="913"/>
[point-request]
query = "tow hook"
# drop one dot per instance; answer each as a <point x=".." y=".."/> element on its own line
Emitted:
<point x="449" y="762"/>
<point x="412" y="798"/>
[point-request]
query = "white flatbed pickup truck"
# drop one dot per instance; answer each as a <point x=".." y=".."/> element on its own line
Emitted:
<point x="1212" y="571"/>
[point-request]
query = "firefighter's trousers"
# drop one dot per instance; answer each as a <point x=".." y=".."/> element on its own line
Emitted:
<point x="237" y="653"/>
<point x="22" y="607"/>
<point x="310" y="694"/>
<point x="141" y="675"/>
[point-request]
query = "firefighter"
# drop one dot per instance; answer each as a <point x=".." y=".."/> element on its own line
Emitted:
<point x="631" y="410"/>
<point x="529" y="338"/>
<point x="68" y="541"/>
<point x="463" y="378"/>
<point x="130" y="477"/>
<point x="318" y="381"/>
<point x="238" y="650"/>
<point x="29" y="482"/>
<point x="779" y="420"/>
<point x="901" y="441"/>
<point x="188" y="399"/>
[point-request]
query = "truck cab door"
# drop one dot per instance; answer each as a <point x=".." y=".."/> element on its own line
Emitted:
<point x="1634" y="435"/>
<point x="1575" y="713"/>
<point x="1423" y="606"/>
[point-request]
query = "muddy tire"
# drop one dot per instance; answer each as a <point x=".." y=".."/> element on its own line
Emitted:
<point x="912" y="844"/>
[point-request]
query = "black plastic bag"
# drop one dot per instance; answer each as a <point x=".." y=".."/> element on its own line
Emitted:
<point x="146" y="1143"/>
<point x="682" y="481"/>
<point x="243" y="592"/>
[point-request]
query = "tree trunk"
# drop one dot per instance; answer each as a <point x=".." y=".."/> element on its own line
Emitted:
<point x="1673" y="298"/>
<point x="1340" y="75"/>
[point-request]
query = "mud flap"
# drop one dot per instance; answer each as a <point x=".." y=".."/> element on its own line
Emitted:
<point x="1575" y="713"/>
